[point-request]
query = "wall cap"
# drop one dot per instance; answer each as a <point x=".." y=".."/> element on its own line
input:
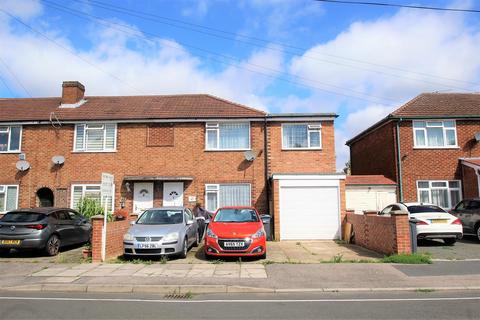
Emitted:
<point x="398" y="213"/>
<point x="97" y="217"/>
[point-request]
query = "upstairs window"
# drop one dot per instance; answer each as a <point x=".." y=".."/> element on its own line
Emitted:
<point x="8" y="198"/>
<point x="96" y="137"/>
<point x="435" y="134"/>
<point x="227" y="136"/>
<point x="301" y="136"/>
<point x="10" y="137"/>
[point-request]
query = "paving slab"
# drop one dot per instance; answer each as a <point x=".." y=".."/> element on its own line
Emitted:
<point x="60" y="279"/>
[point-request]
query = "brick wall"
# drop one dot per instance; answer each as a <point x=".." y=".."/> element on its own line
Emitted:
<point x="301" y="161"/>
<point x="387" y="235"/>
<point x="470" y="182"/>
<point x="375" y="153"/>
<point x="115" y="232"/>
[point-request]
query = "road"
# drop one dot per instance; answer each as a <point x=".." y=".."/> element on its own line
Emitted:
<point x="367" y="305"/>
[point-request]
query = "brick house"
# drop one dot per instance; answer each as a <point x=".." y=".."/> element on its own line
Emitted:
<point x="162" y="150"/>
<point x="429" y="147"/>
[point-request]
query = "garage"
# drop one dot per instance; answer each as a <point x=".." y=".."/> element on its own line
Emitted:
<point x="369" y="192"/>
<point x="309" y="207"/>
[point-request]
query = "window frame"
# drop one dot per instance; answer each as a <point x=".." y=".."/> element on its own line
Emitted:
<point x="9" y="139"/>
<point x="444" y="131"/>
<point x="84" y="185"/>
<point x="215" y="126"/>
<point x="215" y="188"/>
<point x="104" y="124"/>
<point x="6" y="186"/>
<point x="448" y="188"/>
<point x="309" y="130"/>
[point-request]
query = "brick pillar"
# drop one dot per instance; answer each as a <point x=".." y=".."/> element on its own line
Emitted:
<point x="97" y="226"/>
<point x="401" y="227"/>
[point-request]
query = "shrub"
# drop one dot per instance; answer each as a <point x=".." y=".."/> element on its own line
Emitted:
<point x="414" y="258"/>
<point x="89" y="207"/>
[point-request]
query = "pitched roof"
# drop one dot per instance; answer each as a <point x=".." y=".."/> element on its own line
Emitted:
<point x="472" y="161"/>
<point x="369" y="180"/>
<point x="441" y="105"/>
<point x="432" y="105"/>
<point x="185" y="106"/>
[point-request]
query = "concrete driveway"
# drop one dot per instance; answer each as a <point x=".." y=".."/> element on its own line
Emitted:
<point x="72" y="254"/>
<point x="465" y="249"/>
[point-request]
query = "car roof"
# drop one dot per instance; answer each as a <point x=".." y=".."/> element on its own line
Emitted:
<point x="43" y="210"/>
<point x="408" y="204"/>
<point x="237" y="207"/>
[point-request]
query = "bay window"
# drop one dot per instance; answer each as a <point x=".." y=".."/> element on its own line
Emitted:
<point x="222" y="195"/>
<point x="91" y="191"/>
<point x="8" y="197"/>
<point x="10" y="138"/>
<point x="227" y="136"/>
<point x="445" y="194"/>
<point x="301" y="136"/>
<point x="98" y="137"/>
<point x="435" y="134"/>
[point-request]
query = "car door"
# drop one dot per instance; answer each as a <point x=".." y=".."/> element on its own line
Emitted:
<point x="82" y="227"/>
<point x="191" y="229"/>
<point x="460" y="210"/>
<point x="65" y="227"/>
<point x="470" y="212"/>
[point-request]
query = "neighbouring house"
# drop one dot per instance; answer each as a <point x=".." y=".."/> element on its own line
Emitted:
<point x="172" y="150"/>
<point x="430" y="147"/>
<point x="369" y="193"/>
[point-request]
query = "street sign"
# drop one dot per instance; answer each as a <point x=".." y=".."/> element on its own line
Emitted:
<point x="106" y="190"/>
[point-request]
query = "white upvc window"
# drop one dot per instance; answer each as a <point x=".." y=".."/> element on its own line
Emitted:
<point x="227" y="136"/>
<point x="8" y="197"/>
<point x="231" y="194"/>
<point x="301" y="136"/>
<point x="445" y="194"/>
<point x="10" y="138"/>
<point x="435" y="134"/>
<point x="95" y="137"/>
<point x="92" y="191"/>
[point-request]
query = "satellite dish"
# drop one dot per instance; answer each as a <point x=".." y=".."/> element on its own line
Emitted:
<point x="477" y="136"/>
<point x="58" y="160"/>
<point x="249" y="155"/>
<point x="23" y="165"/>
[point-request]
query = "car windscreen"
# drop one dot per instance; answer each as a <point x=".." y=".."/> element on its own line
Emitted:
<point x="236" y="215"/>
<point x="22" y="217"/>
<point x="161" y="217"/>
<point x="424" y="208"/>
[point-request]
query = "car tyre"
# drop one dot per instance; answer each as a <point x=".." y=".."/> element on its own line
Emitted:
<point x="450" y="241"/>
<point x="208" y="256"/>
<point x="477" y="231"/>
<point x="197" y="239"/>
<point x="4" y="252"/>
<point x="183" y="254"/>
<point x="53" y="245"/>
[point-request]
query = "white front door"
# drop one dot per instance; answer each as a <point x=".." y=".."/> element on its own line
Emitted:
<point x="142" y="196"/>
<point x="173" y="194"/>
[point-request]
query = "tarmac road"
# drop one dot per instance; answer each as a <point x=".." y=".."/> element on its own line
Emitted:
<point x="358" y="305"/>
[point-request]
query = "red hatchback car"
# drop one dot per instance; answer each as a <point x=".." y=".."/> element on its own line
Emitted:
<point x="236" y="231"/>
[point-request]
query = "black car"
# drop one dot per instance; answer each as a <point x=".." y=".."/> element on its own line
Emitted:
<point x="468" y="211"/>
<point x="46" y="229"/>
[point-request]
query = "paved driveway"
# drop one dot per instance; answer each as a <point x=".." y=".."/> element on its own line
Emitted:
<point x="72" y="254"/>
<point x="467" y="248"/>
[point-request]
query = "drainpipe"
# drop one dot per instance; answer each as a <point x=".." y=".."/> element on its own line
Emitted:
<point x="399" y="162"/>
<point x="265" y="157"/>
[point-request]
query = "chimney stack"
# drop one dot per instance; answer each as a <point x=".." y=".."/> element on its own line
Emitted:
<point x="72" y="92"/>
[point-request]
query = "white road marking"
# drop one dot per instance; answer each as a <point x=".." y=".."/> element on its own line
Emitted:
<point x="240" y="300"/>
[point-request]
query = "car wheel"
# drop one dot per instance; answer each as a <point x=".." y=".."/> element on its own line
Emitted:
<point x="53" y="245"/>
<point x="183" y="254"/>
<point x="4" y="252"/>
<point x="478" y="232"/>
<point x="208" y="256"/>
<point x="450" y="241"/>
<point x="197" y="240"/>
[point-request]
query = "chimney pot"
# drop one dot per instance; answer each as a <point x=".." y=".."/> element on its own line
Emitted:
<point x="72" y="92"/>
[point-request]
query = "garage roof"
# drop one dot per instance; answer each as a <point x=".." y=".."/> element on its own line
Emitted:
<point x="369" y="180"/>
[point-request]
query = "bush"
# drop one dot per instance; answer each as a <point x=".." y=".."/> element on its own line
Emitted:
<point x="89" y="207"/>
<point x="414" y="258"/>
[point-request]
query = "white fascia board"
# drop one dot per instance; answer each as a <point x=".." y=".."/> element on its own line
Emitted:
<point x="303" y="119"/>
<point x="334" y="176"/>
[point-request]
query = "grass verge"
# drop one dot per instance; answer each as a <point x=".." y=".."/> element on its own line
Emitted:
<point x="414" y="258"/>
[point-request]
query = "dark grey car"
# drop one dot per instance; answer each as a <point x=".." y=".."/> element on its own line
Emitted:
<point x="46" y="229"/>
<point x="468" y="211"/>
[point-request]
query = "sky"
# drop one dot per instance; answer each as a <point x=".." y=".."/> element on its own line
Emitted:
<point x="361" y="62"/>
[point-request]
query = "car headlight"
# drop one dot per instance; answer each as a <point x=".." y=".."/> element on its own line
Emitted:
<point x="211" y="234"/>
<point x="171" y="237"/>
<point x="260" y="233"/>
<point x="127" y="237"/>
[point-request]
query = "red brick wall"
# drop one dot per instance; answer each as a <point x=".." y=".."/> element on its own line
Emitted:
<point x="470" y="182"/>
<point x="301" y="161"/>
<point x="387" y="235"/>
<point x="375" y="153"/>
<point x="115" y="232"/>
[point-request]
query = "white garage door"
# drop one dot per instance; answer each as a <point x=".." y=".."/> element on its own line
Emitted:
<point x="309" y="212"/>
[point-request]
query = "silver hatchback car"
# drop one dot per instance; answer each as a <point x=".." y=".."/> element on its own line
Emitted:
<point x="162" y="231"/>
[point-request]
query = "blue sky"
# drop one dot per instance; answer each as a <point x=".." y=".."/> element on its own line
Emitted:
<point x="278" y="55"/>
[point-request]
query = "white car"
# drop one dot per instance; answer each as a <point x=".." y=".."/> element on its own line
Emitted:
<point x="432" y="221"/>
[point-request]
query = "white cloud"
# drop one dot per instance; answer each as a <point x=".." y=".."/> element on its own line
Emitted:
<point x="197" y="8"/>
<point x="25" y="9"/>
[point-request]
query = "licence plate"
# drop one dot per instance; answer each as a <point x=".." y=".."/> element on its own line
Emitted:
<point x="10" y="242"/>
<point x="439" y="220"/>
<point x="234" y="244"/>
<point x="147" y="245"/>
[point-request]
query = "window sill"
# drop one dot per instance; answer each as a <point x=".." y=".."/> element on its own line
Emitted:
<point x="434" y="148"/>
<point x="226" y="150"/>
<point x="105" y="151"/>
<point x="10" y="152"/>
<point x="301" y="149"/>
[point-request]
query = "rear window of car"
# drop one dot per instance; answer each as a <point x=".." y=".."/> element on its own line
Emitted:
<point x="424" y="208"/>
<point x="23" y="217"/>
<point x="236" y="215"/>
